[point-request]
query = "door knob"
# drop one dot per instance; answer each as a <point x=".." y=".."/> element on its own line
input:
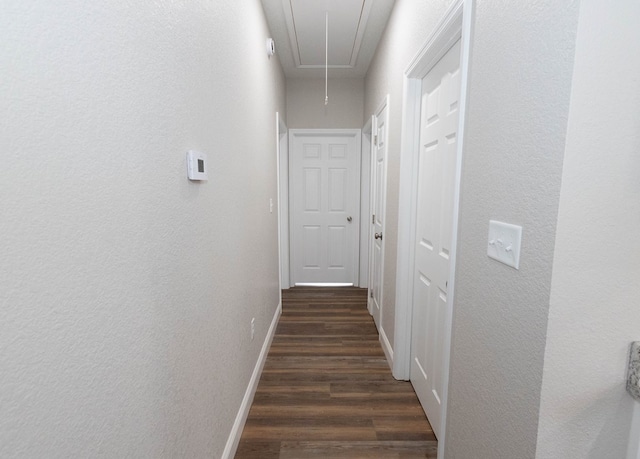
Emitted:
<point x="378" y="236"/>
<point x="349" y="219"/>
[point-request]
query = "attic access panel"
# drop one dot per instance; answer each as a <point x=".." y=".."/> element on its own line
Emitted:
<point x="306" y="27"/>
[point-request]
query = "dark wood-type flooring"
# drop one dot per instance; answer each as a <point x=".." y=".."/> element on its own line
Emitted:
<point x="326" y="390"/>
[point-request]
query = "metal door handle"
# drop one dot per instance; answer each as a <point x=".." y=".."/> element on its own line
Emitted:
<point x="349" y="219"/>
<point x="378" y="236"/>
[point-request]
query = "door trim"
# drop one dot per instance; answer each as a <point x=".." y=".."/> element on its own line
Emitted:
<point x="365" y="203"/>
<point x="283" y="200"/>
<point x="456" y="24"/>
<point x="384" y="341"/>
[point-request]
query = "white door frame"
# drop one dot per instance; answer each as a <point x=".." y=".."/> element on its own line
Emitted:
<point x="283" y="199"/>
<point x="365" y="203"/>
<point x="456" y="24"/>
<point x="384" y="341"/>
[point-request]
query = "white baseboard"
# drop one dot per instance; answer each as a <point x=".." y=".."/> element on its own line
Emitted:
<point x="633" y="447"/>
<point x="386" y="347"/>
<point x="238" y="425"/>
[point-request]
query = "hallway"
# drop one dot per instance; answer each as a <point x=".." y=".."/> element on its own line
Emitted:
<point x="138" y="303"/>
<point x="326" y="388"/>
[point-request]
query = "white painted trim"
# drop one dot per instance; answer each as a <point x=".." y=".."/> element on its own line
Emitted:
<point x="456" y="24"/>
<point x="241" y="418"/>
<point x="371" y="124"/>
<point x="357" y="135"/>
<point x="465" y="58"/>
<point x="365" y="203"/>
<point x="633" y="448"/>
<point x="406" y="227"/>
<point x="283" y="200"/>
<point x="386" y="347"/>
<point x="444" y="36"/>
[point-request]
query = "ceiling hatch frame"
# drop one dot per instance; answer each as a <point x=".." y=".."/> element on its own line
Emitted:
<point x="293" y="36"/>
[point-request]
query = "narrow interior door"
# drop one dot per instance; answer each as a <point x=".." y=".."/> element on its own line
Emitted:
<point x="378" y="210"/>
<point x="325" y="207"/>
<point x="434" y="226"/>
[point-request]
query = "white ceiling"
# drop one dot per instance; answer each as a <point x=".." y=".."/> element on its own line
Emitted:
<point x="298" y="28"/>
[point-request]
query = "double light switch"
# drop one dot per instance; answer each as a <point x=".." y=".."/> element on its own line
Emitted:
<point x="504" y="243"/>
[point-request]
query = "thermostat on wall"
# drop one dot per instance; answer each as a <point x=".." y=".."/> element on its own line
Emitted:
<point x="197" y="167"/>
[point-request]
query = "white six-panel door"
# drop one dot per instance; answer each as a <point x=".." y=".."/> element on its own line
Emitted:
<point x="324" y="188"/>
<point x="434" y="220"/>
<point x="378" y="191"/>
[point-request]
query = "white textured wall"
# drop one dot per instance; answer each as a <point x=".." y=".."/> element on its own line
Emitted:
<point x="520" y="83"/>
<point x="126" y="291"/>
<point x="585" y="411"/>
<point x="306" y="108"/>
<point x="409" y="26"/>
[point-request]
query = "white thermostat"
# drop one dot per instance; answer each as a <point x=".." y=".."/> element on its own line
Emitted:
<point x="197" y="165"/>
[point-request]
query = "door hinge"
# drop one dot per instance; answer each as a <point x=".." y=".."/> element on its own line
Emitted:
<point x="373" y="219"/>
<point x="371" y="293"/>
<point x="375" y="140"/>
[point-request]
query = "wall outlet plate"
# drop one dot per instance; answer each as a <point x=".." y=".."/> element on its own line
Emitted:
<point x="633" y="372"/>
<point x="504" y="243"/>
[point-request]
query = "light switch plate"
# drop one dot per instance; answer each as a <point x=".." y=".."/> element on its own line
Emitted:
<point x="633" y="373"/>
<point x="504" y="243"/>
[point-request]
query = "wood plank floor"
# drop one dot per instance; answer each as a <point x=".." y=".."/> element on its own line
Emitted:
<point x="326" y="390"/>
